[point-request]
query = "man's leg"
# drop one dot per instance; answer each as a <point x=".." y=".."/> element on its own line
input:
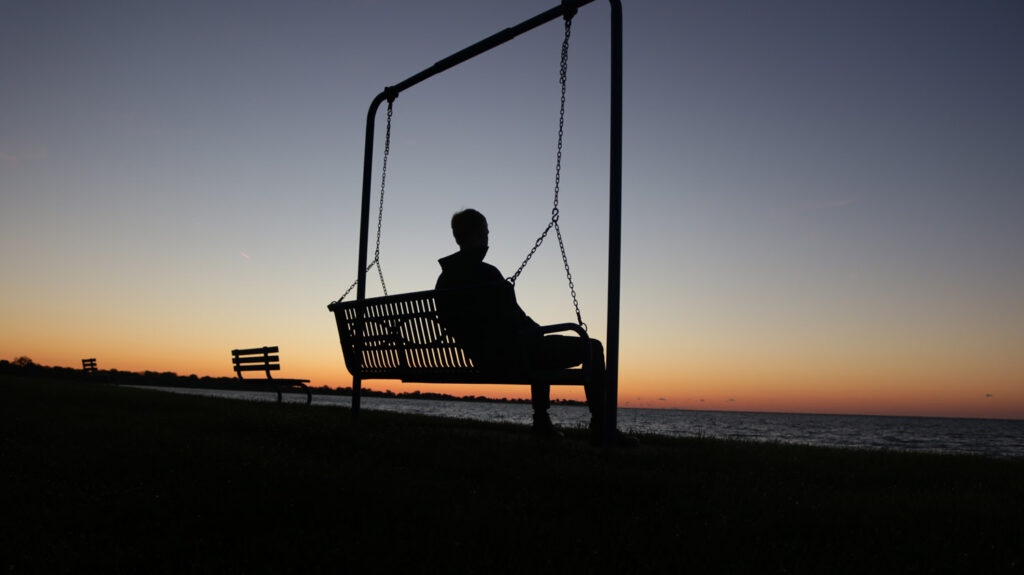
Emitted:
<point x="563" y="352"/>
<point x="540" y="397"/>
<point x="594" y="388"/>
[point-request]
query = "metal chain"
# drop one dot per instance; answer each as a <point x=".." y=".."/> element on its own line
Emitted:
<point x="380" y="208"/>
<point x="380" y="211"/>
<point x="563" y="69"/>
<point x="568" y="275"/>
<point x="558" y="157"/>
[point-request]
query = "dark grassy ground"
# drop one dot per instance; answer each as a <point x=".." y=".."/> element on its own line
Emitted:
<point x="102" y="478"/>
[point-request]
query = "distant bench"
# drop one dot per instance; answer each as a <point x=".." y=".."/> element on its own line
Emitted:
<point x="89" y="365"/>
<point x="260" y="359"/>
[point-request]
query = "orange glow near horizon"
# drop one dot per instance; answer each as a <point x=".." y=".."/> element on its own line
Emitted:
<point x="750" y="389"/>
<point x="851" y="364"/>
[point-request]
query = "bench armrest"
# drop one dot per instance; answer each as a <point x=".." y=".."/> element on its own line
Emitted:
<point x="544" y="329"/>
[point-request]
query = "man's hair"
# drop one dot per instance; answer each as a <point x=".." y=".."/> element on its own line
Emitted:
<point x="466" y="223"/>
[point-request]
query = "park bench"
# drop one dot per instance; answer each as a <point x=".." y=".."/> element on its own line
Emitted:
<point x="403" y="337"/>
<point x="89" y="365"/>
<point x="265" y="359"/>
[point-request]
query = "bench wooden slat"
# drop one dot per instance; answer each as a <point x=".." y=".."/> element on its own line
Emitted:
<point x="422" y="357"/>
<point x="257" y="368"/>
<point x="437" y="355"/>
<point x="250" y="351"/>
<point x="257" y="359"/>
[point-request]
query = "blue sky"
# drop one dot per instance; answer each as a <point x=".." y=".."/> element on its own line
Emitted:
<point x="819" y="199"/>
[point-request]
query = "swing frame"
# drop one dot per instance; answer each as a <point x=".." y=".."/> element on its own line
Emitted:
<point x="567" y="8"/>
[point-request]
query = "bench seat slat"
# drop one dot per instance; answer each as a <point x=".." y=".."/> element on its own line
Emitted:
<point x="257" y="368"/>
<point x="558" y="377"/>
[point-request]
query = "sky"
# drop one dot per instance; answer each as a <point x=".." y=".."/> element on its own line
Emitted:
<point x="821" y="201"/>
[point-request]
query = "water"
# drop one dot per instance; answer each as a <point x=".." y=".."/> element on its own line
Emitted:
<point x="992" y="437"/>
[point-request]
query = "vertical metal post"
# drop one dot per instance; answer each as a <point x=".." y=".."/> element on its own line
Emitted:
<point x="611" y="398"/>
<point x="364" y="232"/>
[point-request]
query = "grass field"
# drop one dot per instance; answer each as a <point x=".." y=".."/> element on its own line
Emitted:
<point x="103" y="478"/>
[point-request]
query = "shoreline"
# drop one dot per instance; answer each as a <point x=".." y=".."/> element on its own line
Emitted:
<point x="988" y="438"/>
<point x="170" y="379"/>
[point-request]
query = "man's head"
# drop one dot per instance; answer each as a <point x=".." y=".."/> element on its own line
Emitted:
<point x="470" y="229"/>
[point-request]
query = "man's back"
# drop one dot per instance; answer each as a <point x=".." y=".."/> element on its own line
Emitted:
<point x="479" y="309"/>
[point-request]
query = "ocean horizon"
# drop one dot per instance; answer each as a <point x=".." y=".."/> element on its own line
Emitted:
<point x="988" y="437"/>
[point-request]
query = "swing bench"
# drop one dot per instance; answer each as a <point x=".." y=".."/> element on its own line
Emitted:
<point x="404" y="336"/>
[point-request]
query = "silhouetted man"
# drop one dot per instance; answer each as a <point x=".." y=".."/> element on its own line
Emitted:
<point x="499" y="336"/>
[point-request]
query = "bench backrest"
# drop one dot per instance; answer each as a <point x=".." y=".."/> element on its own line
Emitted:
<point x="402" y="338"/>
<point x="256" y="359"/>
<point x="89" y="365"/>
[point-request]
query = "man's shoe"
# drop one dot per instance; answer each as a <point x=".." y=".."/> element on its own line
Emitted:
<point x="542" y="427"/>
<point x="619" y="439"/>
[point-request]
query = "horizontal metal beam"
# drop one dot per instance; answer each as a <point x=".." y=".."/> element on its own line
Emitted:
<point x="492" y="41"/>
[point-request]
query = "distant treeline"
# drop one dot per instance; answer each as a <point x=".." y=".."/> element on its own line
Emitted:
<point x="26" y="367"/>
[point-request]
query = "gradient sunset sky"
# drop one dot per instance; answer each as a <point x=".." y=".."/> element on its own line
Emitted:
<point x="823" y="202"/>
